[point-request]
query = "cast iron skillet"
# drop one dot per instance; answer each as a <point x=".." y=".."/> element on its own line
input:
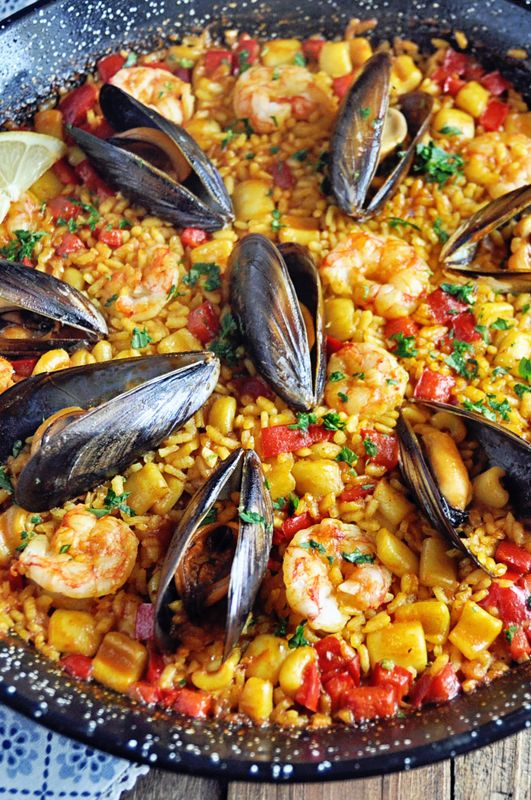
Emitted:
<point x="48" y="46"/>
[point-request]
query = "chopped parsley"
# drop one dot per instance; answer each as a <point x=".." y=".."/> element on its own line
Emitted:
<point x="404" y="346"/>
<point x="300" y="155"/>
<point x="313" y="545"/>
<point x="22" y="247"/>
<point x="357" y="557"/>
<point x="131" y="60"/>
<point x="462" y="291"/>
<point x="279" y="503"/>
<point x="17" y="447"/>
<point x="510" y="632"/>
<point x="448" y="130"/>
<point x="501" y="407"/>
<point x="365" y="112"/>
<point x="172" y="292"/>
<point x="281" y="628"/>
<point x="253" y="517"/>
<point x="524" y="369"/>
<point x="500" y="325"/>
<point x="276" y="224"/>
<point x="387" y="663"/>
<point x="249" y="156"/>
<point x="347" y="455"/>
<point x="332" y="422"/>
<point x="467" y="367"/>
<point x="211" y="272"/>
<point x="299" y="60"/>
<point x="343" y="397"/>
<point x="140" y="338"/>
<point x="274" y="150"/>
<point x="113" y="502"/>
<point x="210" y="517"/>
<point x="370" y="448"/>
<point x="298" y="639"/>
<point x="275" y="120"/>
<point x="293" y="503"/>
<point x="437" y="164"/>
<point x="304" y="421"/>
<point x="5" y="482"/>
<point x="480" y="408"/>
<point x="395" y="222"/>
<point x="360" y="376"/>
<point x="243" y="60"/>
<point x="25" y="539"/>
<point x="334" y="377"/>
<point x="186" y="63"/>
<point x="483" y="332"/>
<point x="112" y="299"/>
<point x="497" y="371"/>
<point x="124" y="224"/>
<point x="64" y="549"/>
<point x="225" y="345"/>
<point x="521" y="389"/>
<point x="322" y="161"/>
<point x="441" y="234"/>
<point x="276" y="74"/>
<point x="35" y="519"/>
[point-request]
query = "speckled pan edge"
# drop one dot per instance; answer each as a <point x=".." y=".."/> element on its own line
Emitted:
<point x="31" y="65"/>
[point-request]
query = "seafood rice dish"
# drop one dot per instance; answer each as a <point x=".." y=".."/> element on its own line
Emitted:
<point x="265" y="377"/>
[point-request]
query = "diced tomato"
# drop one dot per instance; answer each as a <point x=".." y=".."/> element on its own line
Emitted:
<point x="76" y="104"/>
<point x="78" y="666"/>
<point x="24" y="366"/>
<point x="341" y="85"/>
<point x="332" y="660"/>
<point x="110" y="65"/>
<point x="370" y="702"/>
<point x="495" y="83"/>
<point x="511" y="602"/>
<point x="387" y="444"/>
<point x="102" y="130"/>
<point x="145" y="693"/>
<point x="112" y="238"/>
<point x="404" y="325"/>
<point x="61" y="206"/>
<point x="16" y="581"/>
<point x="473" y="70"/>
<point x="192" y="702"/>
<point x="397" y="677"/>
<point x="434" y="386"/>
<point x="524" y="582"/>
<point x="308" y="694"/>
<point x="338" y="685"/>
<point x="494" y="115"/>
<point x="333" y="345"/>
<point x="455" y="62"/>
<point x="203" y="322"/>
<point x="155" y="666"/>
<point x="65" y="173"/>
<point x="449" y="83"/>
<point x="519" y="645"/>
<point x="214" y="59"/>
<point x="444" y="306"/>
<point x="144" y="622"/>
<point x="419" y="692"/>
<point x="157" y="65"/>
<point x="444" y="686"/>
<point x="27" y="261"/>
<point x="291" y="526"/>
<point x="282" y="175"/>
<point x="246" y="52"/>
<point x="514" y="556"/>
<point x="193" y="237"/>
<point x="311" y="48"/>
<point x="70" y="243"/>
<point x="254" y="387"/>
<point x="464" y="327"/>
<point x="184" y="74"/>
<point x="92" y="180"/>
<point x="358" y="491"/>
<point x="283" y="439"/>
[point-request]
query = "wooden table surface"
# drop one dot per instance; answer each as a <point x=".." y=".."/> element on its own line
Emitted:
<point x="499" y="772"/>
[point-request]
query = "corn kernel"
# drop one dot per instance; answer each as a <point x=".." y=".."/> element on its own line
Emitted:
<point x="221" y="678"/>
<point x="395" y="555"/>
<point x="433" y="615"/>
<point x="119" y="662"/>
<point x="146" y="487"/>
<point x="475" y="631"/>
<point x="393" y="506"/>
<point x="436" y="567"/>
<point x="178" y="342"/>
<point x="256" y="699"/>
<point x="216" y="251"/>
<point x="73" y="631"/>
<point x="74" y="277"/>
<point x="167" y="501"/>
<point x="334" y="59"/>
<point x="473" y="98"/>
<point x="281" y="481"/>
<point x="401" y="642"/>
<point x="102" y="351"/>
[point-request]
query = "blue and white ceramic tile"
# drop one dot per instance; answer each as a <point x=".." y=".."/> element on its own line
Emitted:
<point x="38" y="764"/>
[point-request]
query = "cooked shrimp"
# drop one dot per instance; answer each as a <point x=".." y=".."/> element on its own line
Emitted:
<point x="85" y="556"/>
<point x="373" y="381"/>
<point x="268" y="96"/>
<point x="521" y="246"/>
<point x="23" y="215"/>
<point x="499" y="161"/>
<point x="158" y="89"/>
<point x="380" y="272"/>
<point x="12" y="523"/>
<point x="153" y="288"/>
<point x="6" y="374"/>
<point x="329" y="574"/>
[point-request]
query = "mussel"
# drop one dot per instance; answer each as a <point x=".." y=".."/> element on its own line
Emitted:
<point x="208" y="561"/>
<point x="156" y="164"/>
<point x="112" y="412"/>
<point x="366" y="132"/>
<point x="459" y="251"/>
<point x="276" y="297"/>
<point x="502" y="448"/>
<point x="39" y="312"/>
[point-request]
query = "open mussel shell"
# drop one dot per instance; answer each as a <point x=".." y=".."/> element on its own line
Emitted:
<point x="356" y="144"/>
<point x="242" y="472"/>
<point x="267" y="285"/>
<point x="53" y="312"/>
<point x="201" y="201"/>
<point x="132" y="405"/>
<point x="503" y="448"/>
<point x="459" y="251"/>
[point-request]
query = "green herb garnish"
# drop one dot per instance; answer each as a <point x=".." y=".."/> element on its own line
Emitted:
<point x="5" y="482"/>
<point x="462" y="291"/>
<point x="370" y="447"/>
<point x="211" y="272"/>
<point x="281" y="628"/>
<point x="347" y="455"/>
<point x="22" y="247"/>
<point x="441" y="234"/>
<point x="448" y="130"/>
<point x="467" y="367"/>
<point x="304" y="421"/>
<point x="332" y="422"/>
<point x="404" y="346"/>
<point x="140" y="338"/>
<point x="298" y="639"/>
<point x="357" y="557"/>
<point x="437" y="164"/>
<point x="336" y="376"/>
<point x="395" y="222"/>
<point x="500" y="325"/>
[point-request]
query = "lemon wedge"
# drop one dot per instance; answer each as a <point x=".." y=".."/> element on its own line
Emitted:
<point x="24" y="157"/>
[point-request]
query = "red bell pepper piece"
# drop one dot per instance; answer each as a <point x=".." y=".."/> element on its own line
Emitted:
<point x="444" y="306"/>
<point x="78" y="666"/>
<point x="246" y="52"/>
<point x="341" y="85"/>
<point x="110" y="65"/>
<point x="70" y="243"/>
<point x="435" y="688"/>
<point x="311" y="49"/>
<point x="16" y="581"/>
<point x="144" y="622"/>
<point x="370" y="702"/>
<point x="112" y="238"/>
<point x="511" y="602"/>
<point x="519" y="645"/>
<point x="216" y="58"/>
<point x="253" y="387"/>
<point x="387" y="444"/>
<point x="358" y="491"/>
<point x="308" y="694"/>
<point x="283" y="439"/>
<point x="61" y="206"/>
<point x="76" y="104"/>
<point x="419" y="692"/>
<point x="332" y="661"/>
<point x="397" y="677"/>
<point x="514" y="556"/>
<point x="64" y="172"/>
<point x="404" y="325"/>
<point x="333" y="345"/>
<point x="155" y="666"/>
<point x="102" y="130"/>
<point x="434" y="386"/>
<point x="203" y="322"/>
<point x="24" y="366"/>
<point x="473" y="70"/>
<point x="455" y="62"/>
<point x="192" y="237"/>
<point x="494" y="115"/>
<point x="464" y="327"/>
<point x="92" y="180"/>
<point x="495" y="83"/>
<point x="449" y="83"/>
<point x="144" y="692"/>
<point x="191" y="702"/>
<point x="157" y="65"/>
<point x="282" y="175"/>
<point x="291" y="526"/>
<point x="337" y="686"/>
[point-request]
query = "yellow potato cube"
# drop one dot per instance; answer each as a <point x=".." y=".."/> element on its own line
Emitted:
<point x="291" y="675"/>
<point x="281" y="481"/>
<point x="74" y="277"/>
<point x="394" y="554"/>
<point x="47" y="186"/>
<point x="265" y="656"/>
<point x="513" y="346"/>
<point x="256" y="699"/>
<point x="360" y="50"/>
<point x="450" y="120"/>
<point x="166" y="503"/>
<point x="340" y="318"/>
<point x="475" y="631"/>
<point x="119" y="662"/>
<point x="252" y="199"/>
<point x="318" y="477"/>
<point x="280" y="51"/>
<point x="473" y="98"/>
<point x="436" y="567"/>
<point x="401" y="642"/>
<point x="393" y="506"/>
<point x="433" y="615"/>
<point x="216" y="251"/>
<point x="204" y="131"/>
<point x="334" y="59"/>
<point x="49" y="122"/>
<point x="146" y="486"/>
<point x="71" y="631"/>
<point x="405" y="75"/>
